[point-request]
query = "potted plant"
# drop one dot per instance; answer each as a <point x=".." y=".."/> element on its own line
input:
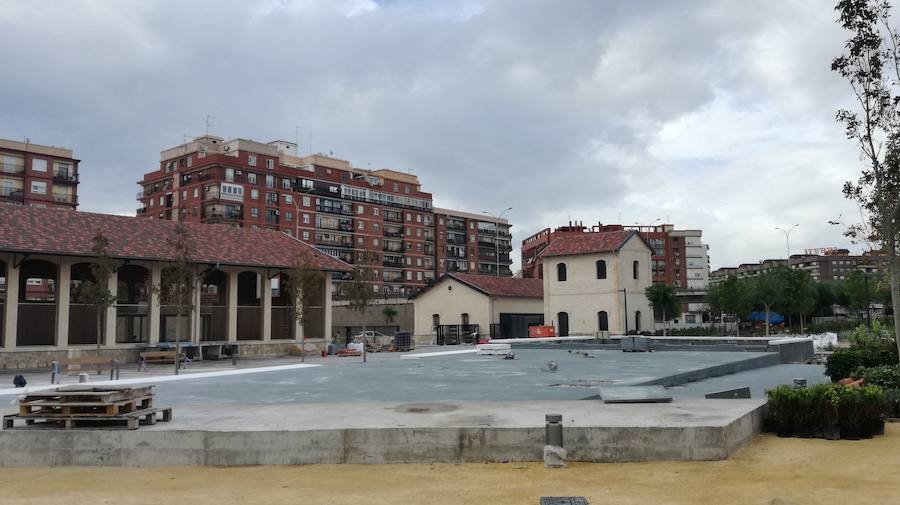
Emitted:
<point x="851" y="413"/>
<point x="872" y="400"/>
<point x="781" y="409"/>
<point x="803" y="412"/>
<point x="830" y="409"/>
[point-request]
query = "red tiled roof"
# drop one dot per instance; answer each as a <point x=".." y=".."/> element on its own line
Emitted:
<point x="502" y="286"/>
<point x="586" y="243"/>
<point x="71" y="233"/>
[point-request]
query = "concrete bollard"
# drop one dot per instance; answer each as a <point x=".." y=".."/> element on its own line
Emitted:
<point x="553" y="430"/>
<point x="54" y="373"/>
<point x="82" y="377"/>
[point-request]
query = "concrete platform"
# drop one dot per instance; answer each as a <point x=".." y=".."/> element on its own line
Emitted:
<point x="280" y="434"/>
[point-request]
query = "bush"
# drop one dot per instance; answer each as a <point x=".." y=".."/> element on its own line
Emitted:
<point x="887" y="377"/>
<point x="866" y="352"/>
<point x="827" y="410"/>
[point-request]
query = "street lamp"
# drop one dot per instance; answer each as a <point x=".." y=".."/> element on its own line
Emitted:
<point x="497" y="237"/>
<point x="787" y="236"/>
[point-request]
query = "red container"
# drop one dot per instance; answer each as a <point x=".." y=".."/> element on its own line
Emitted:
<point x="541" y="331"/>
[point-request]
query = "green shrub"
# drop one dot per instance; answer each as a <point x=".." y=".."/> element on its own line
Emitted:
<point x="887" y="376"/>
<point x="844" y="362"/>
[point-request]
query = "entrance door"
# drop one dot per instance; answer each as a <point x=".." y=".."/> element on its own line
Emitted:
<point x="563" y="319"/>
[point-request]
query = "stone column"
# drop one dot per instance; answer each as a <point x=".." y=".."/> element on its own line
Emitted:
<point x="153" y="309"/>
<point x="110" y="323"/>
<point x="195" y="314"/>
<point x="63" y="299"/>
<point x="326" y="308"/>
<point x="232" y="304"/>
<point x="12" y="303"/>
<point x="266" y="306"/>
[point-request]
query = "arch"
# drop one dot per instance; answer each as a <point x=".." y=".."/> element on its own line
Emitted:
<point x="249" y="301"/>
<point x="562" y="319"/>
<point x="636" y="269"/>
<point x="37" y="303"/>
<point x="637" y="321"/>
<point x="435" y="322"/>
<point x="170" y="325"/>
<point x="464" y="319"/>
<point x="132" y="304"/>
<point x="214" y="306"/>
<point x="561" y="272"/>
<point x="602" y="321"/>
<point x="82" y="315"/>
<point x="601" y="269"/>
<point x="282" y="318"/>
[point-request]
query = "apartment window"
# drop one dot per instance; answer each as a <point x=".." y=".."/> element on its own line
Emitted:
<point x="406" y="189"/>
<point x="408" y="261"/>
<point x="360" y="225"/>
<point x="441" y="221"/>
<point x="375" y="242"/>
<point x="396" y="187"/>
<point x="418" y="218"/>
<point x="305" y="218"/>
<point x="189" y="160"/>
<point x="229" y="174"/>
<point x="408" y="216"/>
<point x="359" y="209"/>
<point x="471" y="225"/>
<point x="306" y="235"/>
<point x="183" y="194"/>
<point x="471" y="265"/>
<point x="39" y="165"/>
<point x="254" y="212"/>
<point x="251" y="160"/>
<point x="196" y="191"/>
<point x="151" y="202"/>
<point x="419" y="232"/>
<point x="375" y="227"/>
<point x="418" y="276"/>
<point x="254" y="194"/>
<point x="635" y="267"/>
<point x="288" y="199"/>
<point x="306" y="201"/>
<point x="251" y="178"/>
<point x="408" y="231"/>
<point x="419" y="262"/>
<point x="270" y="164"/>
<point x="162" y="200"/>
<point x="285" y="184"/>
<point x="360" y="241"/>
<point x="375" y="211"/>
<point x="270" y="181"/>
<point x="601" y="269"/>
<point x="561" y="272"/>
<point x="408" y="275"/>
<point x="39" y="188"/>
<point x="288" y="216"/>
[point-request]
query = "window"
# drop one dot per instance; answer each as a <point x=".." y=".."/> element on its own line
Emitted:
<point x="39" y="165"/>
<point x="375" y="242"/>
<point x="637" y="318"/>
<point x="601" y="269"/>
<point x="270" y="164"/>
<point x="162" y="200"/>
<point x="636" y="267"/>
<point x="305" y="218"/>
<point x="251" y="178"/>
<point x="602" y="321"/>
<point x="39" y="188"/>
<point x="360" y="225"/>
<point x="408" y="216"/>
<point x="254" y="212"/>
<point x="288" y="199"/>
<point x="288" y="216"/>
<point x="183" y="194"/>
<point x="270" y="181"/>
<point x="396" y="187"/>
<point x="359" y="209"/>
<point x="375" y="211"/>
<point x="306" y="235"/>
<point x="254" y="194"/>
<point x="196" y="191"/>
<point x="464" y="318"/>
<point x="408" y="275"/>
<point x="418" y="276"/>
<point x="189" y="163"/>
<point x="561" y="272"/>
<point x="229" y="174"/>
<point x="285" y="184"/>
<point x="251" y="160"/>
<point x="306" y="201"/>
<point x="418" y="218"/>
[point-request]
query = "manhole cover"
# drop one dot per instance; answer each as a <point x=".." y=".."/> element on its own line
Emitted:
<point x="563" y="500"/>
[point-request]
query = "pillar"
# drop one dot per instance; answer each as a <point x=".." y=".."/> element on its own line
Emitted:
<point x="232" y="304"/>
<point x="63" y="299"/>
<point x="12" y="303"/>
<point x="266" y="299"/>
<point x="110" y="323"/>
<point x="153" y="312"/>
<point x="326" y="308"/>
<point x="298" y="326"/>
<point x="195" y="313"/>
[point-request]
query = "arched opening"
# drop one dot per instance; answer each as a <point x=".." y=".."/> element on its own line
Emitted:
<point x="561" y="272"/>
<point x="563" y="319"/>
<point x="283" y="321"/>
<point x="601" y="269"/>
<point x="37" y="303"/>
<point x="636" y="268"/>
<point x="214" y="306"/>
<point x="602" y="321"/>
<point x="435" y="322"/>
<point x="82" y="314"/>
<point x="637" y="321"/>
<point x="249" y="312"/>
<point x="464" y="319"/>
<point x="132" y="304"/>
<point x="170" y="325"/>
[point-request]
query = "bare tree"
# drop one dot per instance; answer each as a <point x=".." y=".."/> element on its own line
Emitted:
<point x="303" y="287"/>
<point x="360" y="289"/>
<point x="96" y="291"/>
<point x="178" y="282"/>
<point x="871" y="66"/>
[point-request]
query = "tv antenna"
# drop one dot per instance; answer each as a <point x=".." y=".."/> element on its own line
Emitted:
<point x="209" y="122"/>
<point x="298" y="130"/>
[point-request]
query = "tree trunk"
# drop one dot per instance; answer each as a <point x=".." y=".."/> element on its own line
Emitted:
<point x="895" y="298"/>
<point x="99" y="335"/>
<point x="178" y="337"/>
<point x="737" y="326"/>
<point x="364" y="342"/>
<point x="767" y="320"/>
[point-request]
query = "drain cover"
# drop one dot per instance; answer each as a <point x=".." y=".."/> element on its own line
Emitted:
<point x="563" y="500"/>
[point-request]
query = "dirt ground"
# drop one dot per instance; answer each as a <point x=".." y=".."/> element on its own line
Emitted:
<point x="769" y="471"/>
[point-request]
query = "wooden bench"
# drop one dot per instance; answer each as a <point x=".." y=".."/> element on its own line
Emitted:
<point x="75" y="366"/>
<point x="158" y="357"/>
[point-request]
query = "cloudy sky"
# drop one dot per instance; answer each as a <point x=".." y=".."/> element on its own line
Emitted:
<point x="715" y="115"/>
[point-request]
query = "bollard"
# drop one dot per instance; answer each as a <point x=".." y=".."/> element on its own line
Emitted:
<point x="799" y="382"/>
<point x="554" y="434"/>
<point x="54" y="372"/>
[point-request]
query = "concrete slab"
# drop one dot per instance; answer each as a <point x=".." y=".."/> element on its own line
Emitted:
<point x="635" y="394"/>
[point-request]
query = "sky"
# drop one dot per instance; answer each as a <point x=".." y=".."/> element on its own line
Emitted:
<point x="715" y="115"/>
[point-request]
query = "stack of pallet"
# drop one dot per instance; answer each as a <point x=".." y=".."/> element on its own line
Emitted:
<point x="89" y="405"/>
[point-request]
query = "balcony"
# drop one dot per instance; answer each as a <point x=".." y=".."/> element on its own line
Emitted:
<point x="65" y="177"/>
<point x="393" y="262"/>
<point x="64" y="198"/>
<point x="455" y="225"/>
<point x="10" y="168"/>
<point x="456" y="239"/>
<point x="393" y="233"/>
<point x="335" y="210"/>
<point x="223" y="213"/>
<point x="348" y="227"/>
<point x="272" y="219"/>
<point x="429" y="237"/>
<point x="334" y="242"/>
<point x="13" y="193"/>
<point x="141" y="211"/>
<point x="393" y="217"/>
<point x="392" y="276"/>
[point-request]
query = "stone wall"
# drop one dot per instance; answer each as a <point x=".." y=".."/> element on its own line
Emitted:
<point x="342" y="316"/>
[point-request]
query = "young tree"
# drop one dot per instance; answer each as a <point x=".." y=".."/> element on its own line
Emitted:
<point x="389" y="314"/>
<point x="732" y="297"/>
<point x="800" y="294"/>
<point x="303" y="287"/>
<point x="664" y="302"/>
<point x="177" y="282"/>
<point x="96" y="291"/>
<point x="360" y="289"/>
<point x="768" y="289"/>
<point x="871" y="66"/>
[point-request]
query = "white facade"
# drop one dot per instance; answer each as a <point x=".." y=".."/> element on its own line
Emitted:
<point x="582" y="296"/>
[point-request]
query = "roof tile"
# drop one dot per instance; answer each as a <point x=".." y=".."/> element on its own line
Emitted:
<point x="587" y="243"/>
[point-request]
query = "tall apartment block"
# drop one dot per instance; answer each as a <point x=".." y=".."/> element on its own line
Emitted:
<point x="379" y="216"/>
<point x="37" y="175"/>
<point x="679" y="259"/>
<point x="473" y="243"/>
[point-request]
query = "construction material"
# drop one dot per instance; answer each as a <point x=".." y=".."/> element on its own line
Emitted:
<point x="402" y="341"/>
<point x="541" y="331"/>
<point x="635" y="394"/>
<point x="554" y="457"/>
<point x="97" y="405"/>
<point x="636" y="344"/>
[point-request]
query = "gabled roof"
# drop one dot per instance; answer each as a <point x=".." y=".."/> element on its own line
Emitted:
<point x="70" y="233"/>
<point x="588" y="243"/>
<point x="497" y="286"/>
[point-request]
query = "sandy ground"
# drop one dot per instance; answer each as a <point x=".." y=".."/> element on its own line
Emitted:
<point x="769" y="471"/>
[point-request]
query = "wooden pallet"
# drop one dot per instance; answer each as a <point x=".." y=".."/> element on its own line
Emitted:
<point x="89" y="394"/>
<point x="53" y="407"/>
<point x="132" y="419"/>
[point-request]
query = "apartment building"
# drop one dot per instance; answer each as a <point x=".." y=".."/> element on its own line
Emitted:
<point x="824" y="264"/>
<point x="380" y="217"/>
<point x="472" y="243"/>
<point x="37" y="175"/>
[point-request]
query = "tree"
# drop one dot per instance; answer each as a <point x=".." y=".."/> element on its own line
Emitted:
<point x="177" y="282"/>
<point x="800" y="293"/>
<point x="826" y="296"/>
<point x="768" y="289"/>
<point x="96" y="290"/>
<point x="303" y="287"/>
<point x="664" y="302"/>
<point x="871" y="66"/>
<point x="389" y="314"/>
<point x="854" y="287"/>
<point x="360" y="289"/>
<point x="732" y="297"/>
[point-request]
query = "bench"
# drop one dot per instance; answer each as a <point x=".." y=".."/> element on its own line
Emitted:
<point x="75" y="366"/>
<point x="158" y="356"/>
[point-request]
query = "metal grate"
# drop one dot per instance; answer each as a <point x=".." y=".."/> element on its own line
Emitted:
<point x="563" y="500"/>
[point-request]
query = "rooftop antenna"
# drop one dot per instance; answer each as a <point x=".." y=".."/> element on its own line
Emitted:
<point x="298" y="130"/>
<point x="209" y="123"/>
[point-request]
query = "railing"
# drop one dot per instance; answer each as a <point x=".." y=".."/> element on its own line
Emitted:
<point x="271" y="219"/>
<point x="9" y="168"/>
<point x="452" y="239"/>
<point x="334" y="243"/>
<point x="390" y="217"/>
<point x="456" y="226"/>
<point x="64" y="198"/>
<point x="335" y="210"/>
<point x="64" y="176"/>
<point x="393" y="263"/>
<point x="454" y="334"/>
<point x="141" y="211"/>
<point x="392" y="248"/>
<point x="429" y="237"/>
<point x="14" y="193"/>
<point x="394" y="234"/>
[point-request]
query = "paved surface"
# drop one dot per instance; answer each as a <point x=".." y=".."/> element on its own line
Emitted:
<point x="768" y="471"/>
<point x="759" y="380"/>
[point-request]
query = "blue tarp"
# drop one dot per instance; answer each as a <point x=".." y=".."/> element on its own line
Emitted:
<point x="760" y="316"/>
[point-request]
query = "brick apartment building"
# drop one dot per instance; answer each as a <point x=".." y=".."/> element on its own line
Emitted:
<point x="679" y="258"/>
<point x="473" y="243"/>
<point x="37" y="175"/>
<point x="824" y="265"/>
<point x="346" y="212"/>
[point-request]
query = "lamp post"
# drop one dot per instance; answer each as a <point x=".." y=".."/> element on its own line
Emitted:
<point x="497" y="237"/>
<point x="787" y="236"/>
